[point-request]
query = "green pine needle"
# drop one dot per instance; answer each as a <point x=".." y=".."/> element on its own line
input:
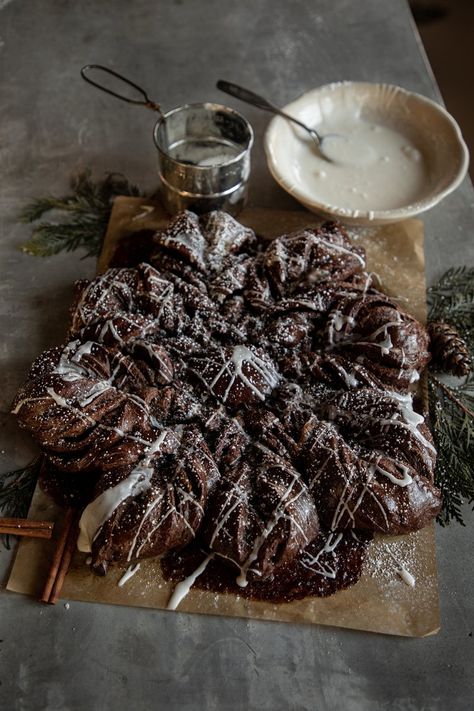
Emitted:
<point x="454" y="436"/>
<point x="452" y="300"/>
<point x="81" y="218"/>
<point x="49" y="239"/>
<point x="452" y="408"/>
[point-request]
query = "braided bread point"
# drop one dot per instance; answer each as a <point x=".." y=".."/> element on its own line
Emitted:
<point x="312" y="257"/>
<point x="364" y="489"/>
<point x="386" y="422"/>
<point x="153" y="505"/>
<point x="372" y="330"/>
<point x="72" y="407"/>
<point x="261" y="516"/>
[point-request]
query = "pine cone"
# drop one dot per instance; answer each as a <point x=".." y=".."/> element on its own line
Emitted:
<point x="448" y="349"/>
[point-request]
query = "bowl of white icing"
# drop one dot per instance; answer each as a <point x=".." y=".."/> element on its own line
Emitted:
<point x="394" y="154"/>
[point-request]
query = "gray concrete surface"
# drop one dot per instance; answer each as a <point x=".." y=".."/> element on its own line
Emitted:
<point x="97" y="657"/>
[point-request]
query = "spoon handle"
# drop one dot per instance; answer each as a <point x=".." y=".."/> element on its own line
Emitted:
<point x="256" y="100"/>
<point x="245" y="95"/>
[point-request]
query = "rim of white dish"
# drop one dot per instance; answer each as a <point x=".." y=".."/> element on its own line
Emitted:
<point x="371" y="217"/>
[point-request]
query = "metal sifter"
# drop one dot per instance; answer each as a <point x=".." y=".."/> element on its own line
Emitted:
<point x="203" y="150"/>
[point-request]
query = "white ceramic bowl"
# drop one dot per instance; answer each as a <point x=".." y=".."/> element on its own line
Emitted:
<point x="427" y="125"/>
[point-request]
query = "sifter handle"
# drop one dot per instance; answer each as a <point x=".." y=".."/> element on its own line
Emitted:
<point x="146" y="101"/>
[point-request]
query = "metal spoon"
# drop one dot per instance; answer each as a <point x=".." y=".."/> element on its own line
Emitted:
<point x="255" y="100"/>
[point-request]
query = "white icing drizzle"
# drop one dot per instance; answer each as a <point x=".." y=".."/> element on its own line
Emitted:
<point x="402" y="572"/>
<point x="385" y="344"/>
<point x="338" y="248"/>
<point x="406" y="576"/>
<point x="349" y="378"/>
<point x="57" y="398"/>
<point x="144" y="407"/>
<point x="240" y="355"/>
<point x="145" y="516"/>
<point x="110" y="326"/>
<point x="97" y="389"/>
<point x="404" y="481"/>
<point x="340" y="319"/>
<point x="332" y="542"/>
<point x="314" y="563"/>
<point x="411" y="421"/>
<point x="120" y="285"/>
<point x="184" y="497"/>
<point x="129" y="573"/>
<point x="240" y="496"/>
<point x="183" y="588"/>
<point x="69" y="367"/>
<point x="82" y="350"/>
<point x="343" y="506"/>
<point x="25" y="400"/>
<point x="186" y="235"/>
<point x="155" y="278"/>
<point x="315" y="303"/>
<point x="70" y="370"/>
<point x="101" y="288"/>
<point x="145" y="211"/>
<point x="101" y="509"/>
<point x="155" y="356"/>
<point x="83" y="415"/>
<point x="277" y="514"/>
<point x="411" y="418"/>
<point x="336" y="322"/>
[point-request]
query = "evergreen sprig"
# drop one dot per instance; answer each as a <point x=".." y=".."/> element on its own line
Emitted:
<point x="453" y="426"/>
<point x="16" y="490"/>
<point x="81" y="217"/>
<point x="451" y="300"/>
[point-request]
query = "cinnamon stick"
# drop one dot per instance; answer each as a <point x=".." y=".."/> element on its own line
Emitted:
<point x="63" y="553"/>
<point x="26" y="527"/>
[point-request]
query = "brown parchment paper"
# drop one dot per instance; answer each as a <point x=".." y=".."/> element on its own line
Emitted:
<point x="381" y="601"/>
